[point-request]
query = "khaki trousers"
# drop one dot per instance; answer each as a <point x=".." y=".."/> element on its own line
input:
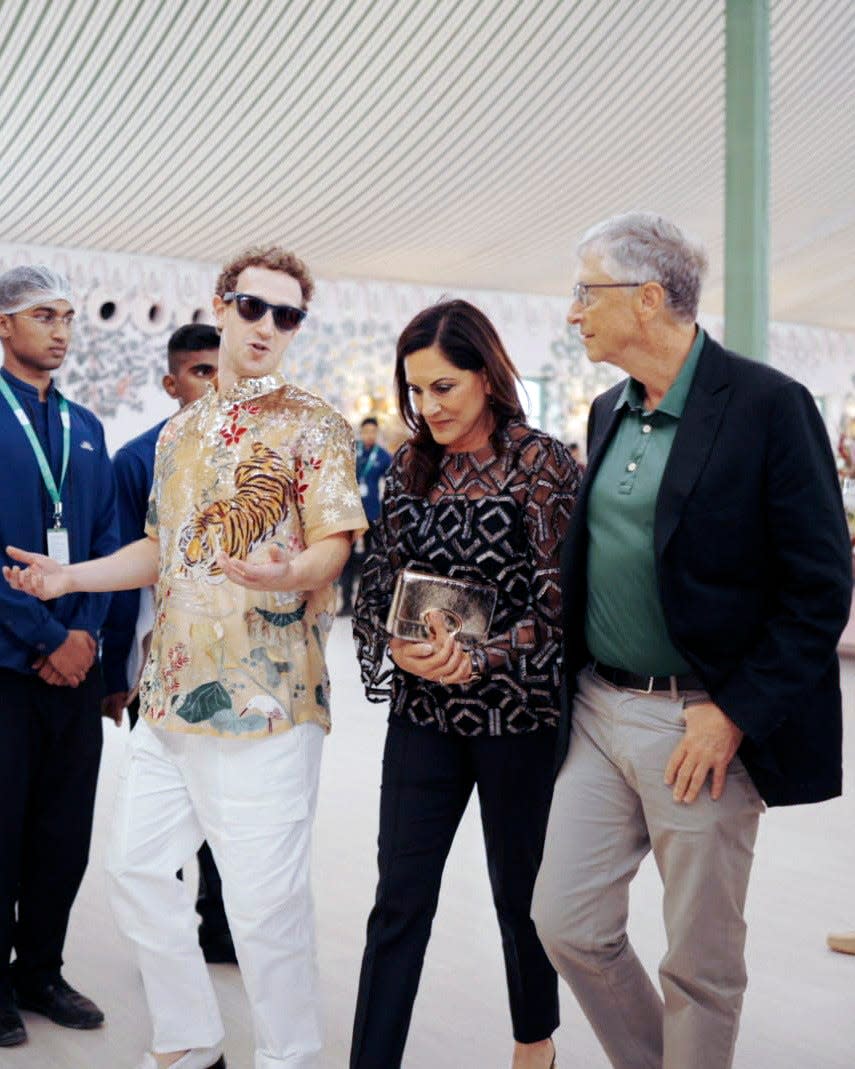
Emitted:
<point x="610" y="807"/>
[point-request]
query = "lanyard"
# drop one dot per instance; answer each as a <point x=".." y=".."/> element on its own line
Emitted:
<point x="36" y="445"/>
<point x="367" y="462"/>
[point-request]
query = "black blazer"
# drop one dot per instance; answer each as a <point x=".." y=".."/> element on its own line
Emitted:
<point x="753" y="563"/>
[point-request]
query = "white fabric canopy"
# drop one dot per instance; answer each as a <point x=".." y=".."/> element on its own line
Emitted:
<point x="456" y="143"/>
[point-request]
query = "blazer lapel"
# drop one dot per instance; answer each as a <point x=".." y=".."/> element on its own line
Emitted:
<point x="574" y="546"/>
<point x="603" y="432"/>
<point x="695" y="437"/>
<point x="601" y="440"/>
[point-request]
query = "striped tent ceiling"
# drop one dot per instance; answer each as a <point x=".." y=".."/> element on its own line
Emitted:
<point x="451" y="142"/>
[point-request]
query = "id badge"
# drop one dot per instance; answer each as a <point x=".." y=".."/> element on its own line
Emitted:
<point x="363" y="489"/>
<point x="57" y="545"/>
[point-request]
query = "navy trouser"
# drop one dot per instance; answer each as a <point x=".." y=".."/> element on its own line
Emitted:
<point x="428" y="777"/>
<point x="50" y="749"/>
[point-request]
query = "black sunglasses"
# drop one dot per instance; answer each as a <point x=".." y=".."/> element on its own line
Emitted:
<point x="285" y="316"/>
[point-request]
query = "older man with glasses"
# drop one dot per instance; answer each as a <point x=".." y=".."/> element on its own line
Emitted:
<point x="706" y="579"/>
<point x="253" y="510"/>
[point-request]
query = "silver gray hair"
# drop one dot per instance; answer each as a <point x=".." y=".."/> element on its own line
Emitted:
<point x="22" y="287"/>
<point x="645" y="247"/>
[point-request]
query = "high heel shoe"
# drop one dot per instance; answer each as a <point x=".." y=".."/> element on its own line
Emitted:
<point x="554" y="1062"/>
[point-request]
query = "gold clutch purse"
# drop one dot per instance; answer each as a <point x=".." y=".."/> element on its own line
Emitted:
<point x="466" y="606"/>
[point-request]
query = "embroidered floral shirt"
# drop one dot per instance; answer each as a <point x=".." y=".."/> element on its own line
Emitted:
<point x="266" y="464"/>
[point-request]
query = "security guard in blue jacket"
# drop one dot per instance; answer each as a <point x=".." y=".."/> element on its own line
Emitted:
<point x="56" y="496"/>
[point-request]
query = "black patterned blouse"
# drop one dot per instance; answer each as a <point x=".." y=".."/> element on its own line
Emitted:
<point x="498" y="519"/>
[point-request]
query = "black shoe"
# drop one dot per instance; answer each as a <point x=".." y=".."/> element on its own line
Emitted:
<point x="61" y="1003"/>
<point x="12" y="1031"/>
<point x="219" y="950"/>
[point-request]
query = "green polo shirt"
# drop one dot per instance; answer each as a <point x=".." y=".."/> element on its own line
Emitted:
<point x="624" y="624"/>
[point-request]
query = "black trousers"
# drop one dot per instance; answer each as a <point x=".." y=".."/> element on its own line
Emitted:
<point x="352" y="573"/>
<point x="50" y="749"/>
<point x="349" y="577"/>
<point x="214" y="925"/>
<point x="427" y="780"/>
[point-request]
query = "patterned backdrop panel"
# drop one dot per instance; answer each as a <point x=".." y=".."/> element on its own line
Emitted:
<point x="127" y="307"/>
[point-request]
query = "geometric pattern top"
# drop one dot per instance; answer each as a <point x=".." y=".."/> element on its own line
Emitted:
<point x="490" y="518"/>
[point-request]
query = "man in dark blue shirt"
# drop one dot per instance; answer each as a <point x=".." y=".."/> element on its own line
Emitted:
<point x="192" y="355"/>
<point x="372" y="463"/>
<point x="57" y="496"/>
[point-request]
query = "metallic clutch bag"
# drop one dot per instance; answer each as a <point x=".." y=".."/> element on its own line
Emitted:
<point x="467" y="606"/>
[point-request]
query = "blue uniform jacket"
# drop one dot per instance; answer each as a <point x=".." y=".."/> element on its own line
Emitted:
<point x="30" y="628"/>
<point x="371" y="466"/>
<point x="133" y="466"/>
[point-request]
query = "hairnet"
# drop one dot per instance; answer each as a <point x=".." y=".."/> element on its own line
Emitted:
<point x="22" y="287"/>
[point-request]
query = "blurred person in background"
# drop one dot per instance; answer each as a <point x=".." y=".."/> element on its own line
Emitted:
<point x="576" y="454"/>
<point x="372" y="463"/>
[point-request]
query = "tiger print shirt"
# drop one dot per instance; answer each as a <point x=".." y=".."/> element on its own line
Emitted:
<point x="265" y="464"/>
<point x="490" y="518"/>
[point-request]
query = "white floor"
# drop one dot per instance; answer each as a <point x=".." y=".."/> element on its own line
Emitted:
<point x="799" y="1010"/>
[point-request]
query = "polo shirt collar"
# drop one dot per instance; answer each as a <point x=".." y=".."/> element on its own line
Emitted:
<point x="674" y="401"/>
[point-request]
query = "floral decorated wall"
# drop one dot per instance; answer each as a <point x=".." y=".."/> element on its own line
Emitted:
<point x="128" y="306"/>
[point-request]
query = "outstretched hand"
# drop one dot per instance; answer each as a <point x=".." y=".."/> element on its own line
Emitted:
<point x="277" y="574"/>
<point x="43" y="577"/>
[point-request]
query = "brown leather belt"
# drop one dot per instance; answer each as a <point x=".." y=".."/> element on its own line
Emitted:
<point x="619" y="677"/>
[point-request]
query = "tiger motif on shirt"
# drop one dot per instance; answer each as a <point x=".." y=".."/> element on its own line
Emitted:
<point x="238" y="524"/>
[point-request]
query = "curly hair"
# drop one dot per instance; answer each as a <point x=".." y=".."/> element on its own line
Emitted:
<point x="274" y="258"/>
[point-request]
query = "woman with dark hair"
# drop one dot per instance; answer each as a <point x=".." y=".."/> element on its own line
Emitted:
<point x="474" y="494"/>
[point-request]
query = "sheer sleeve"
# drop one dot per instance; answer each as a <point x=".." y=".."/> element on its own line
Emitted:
<point x="375" y="595"/>
<point x="534" y="642"/>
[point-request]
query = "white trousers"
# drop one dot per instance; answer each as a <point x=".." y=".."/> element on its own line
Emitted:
<point x="254" y="801"/>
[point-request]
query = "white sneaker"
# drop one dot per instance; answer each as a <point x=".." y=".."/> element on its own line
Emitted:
<point x="197" y="1058"/>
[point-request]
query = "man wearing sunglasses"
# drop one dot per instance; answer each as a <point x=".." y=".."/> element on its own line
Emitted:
<point x="252" y="514"/>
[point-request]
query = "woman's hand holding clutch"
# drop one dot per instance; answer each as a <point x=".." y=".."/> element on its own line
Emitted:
<point x="443" y="660"/>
